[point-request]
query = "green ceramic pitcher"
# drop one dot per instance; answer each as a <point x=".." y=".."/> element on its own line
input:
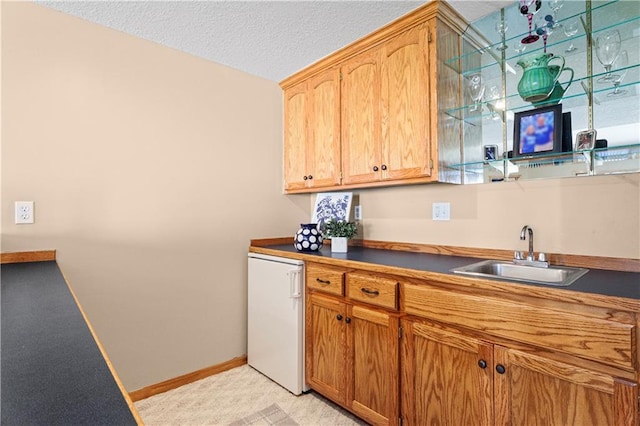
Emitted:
<point x="558" y="91"/>
<point x="538" y="81"/>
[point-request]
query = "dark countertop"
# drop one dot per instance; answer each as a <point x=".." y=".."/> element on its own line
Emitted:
<point x="596" y="281"/>
<point x="53" y="372"/>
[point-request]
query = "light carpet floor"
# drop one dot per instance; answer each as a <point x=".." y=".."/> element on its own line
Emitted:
<point x="233" y="395"/>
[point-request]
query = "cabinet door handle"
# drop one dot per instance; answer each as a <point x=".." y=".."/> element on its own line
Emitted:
<point x="325" y="282"/>
<point x="500" y="369"/>
<point x="305" y="177"/>
<point x="339" y="317"/>
<point x="384" y="167"/>
<point x="375" y="168"/>
<point x="310" y="177"/>
<point x="369" y="291"/>
<point x="482" y="364"/>
<point x="347" y="320"/>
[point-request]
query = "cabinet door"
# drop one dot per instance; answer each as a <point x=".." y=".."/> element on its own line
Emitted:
<point x="295" y="137"/>
<point x="361" y="161"/>
<point x="326" y="348"/>
<point x="373" y="393"/>
<point x="405" y="105"/>
<point x="324" y="129"/>
<point x="447" y="378"/>
<point x="537" y="390"/>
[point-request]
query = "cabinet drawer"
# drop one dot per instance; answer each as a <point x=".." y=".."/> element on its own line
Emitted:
<point x="325" y="278"/>
<point x="593" y="338"/>
<point x="380" y="291"/>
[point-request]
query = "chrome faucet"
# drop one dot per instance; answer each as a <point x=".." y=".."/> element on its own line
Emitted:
<point x="518" y="257"/>
<point x="523" y="236"/>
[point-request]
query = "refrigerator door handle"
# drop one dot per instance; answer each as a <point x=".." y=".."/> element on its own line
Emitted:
<point x="294" y="280"/>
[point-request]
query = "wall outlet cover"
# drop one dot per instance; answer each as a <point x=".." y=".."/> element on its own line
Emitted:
<point x="24" y="212"/>
<point x="441" y="211"/>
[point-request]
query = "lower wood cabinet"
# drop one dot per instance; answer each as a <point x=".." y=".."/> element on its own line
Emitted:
<point x="373" y="392"/>
<point x="453" y="378"/>
<point x="399" y="350"/>
<point x="536" y="388"/>
<point x="443" y="381"/>
<point x="352" y="357"/>
<point x="326" y="347"/>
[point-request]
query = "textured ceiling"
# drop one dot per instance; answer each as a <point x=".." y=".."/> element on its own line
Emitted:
<point x="270" y="39"/>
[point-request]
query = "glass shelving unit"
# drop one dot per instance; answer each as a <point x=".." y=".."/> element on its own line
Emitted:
<point x="616" y="118"/>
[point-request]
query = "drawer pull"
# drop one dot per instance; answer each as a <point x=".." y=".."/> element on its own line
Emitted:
<point x="369" y="291"/>
<point x="321" y="281"/>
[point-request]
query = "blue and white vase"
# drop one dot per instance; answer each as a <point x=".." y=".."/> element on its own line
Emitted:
<point x="308" y="238"/>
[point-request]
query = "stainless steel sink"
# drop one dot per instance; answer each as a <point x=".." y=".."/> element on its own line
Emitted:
<point x="553" y="275"/>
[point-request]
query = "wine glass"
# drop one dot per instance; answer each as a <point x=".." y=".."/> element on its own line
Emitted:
<point x="556" y="5"/>
<point x="530" y="8"/>
<point x="501" y="27"/>
<point x="544" y="28"/>
<point x="519" y="47"/>
<point x="607" y="50"/>
<point x="620" y="63"/>
<point x="571" y="29"/>
<point x="476" y="90"/>
<point x="495" y="105"/>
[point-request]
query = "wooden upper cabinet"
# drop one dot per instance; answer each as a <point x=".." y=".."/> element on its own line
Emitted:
<point x="385" y="111"/>
<point x="361" y="160"/>
<point x="312" y="132"/>
<point x="384" y="101"/>
<point x="405" y="105"/>
<point x="295" y="137"/>
<point x="324" y="128"/>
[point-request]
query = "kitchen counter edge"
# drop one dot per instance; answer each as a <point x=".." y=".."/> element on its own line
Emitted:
<point x="599" y="287"/>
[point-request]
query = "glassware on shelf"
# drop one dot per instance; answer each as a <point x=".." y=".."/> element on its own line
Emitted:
<point x="571" y="29"/>
<point x="501" y="27"/>
<point x="495" y="104"/>
<point x="530" y="8"/>
<point x="520" y="47"/>
<point x="476" y="90"/>
<point x="607" y="50"/>
<point x="544" y="28"/>
<point x="621" y="63"/>
<point x="556" y="5"/>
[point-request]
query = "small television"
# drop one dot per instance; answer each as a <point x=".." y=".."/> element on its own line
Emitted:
<point x="538" y="131"/>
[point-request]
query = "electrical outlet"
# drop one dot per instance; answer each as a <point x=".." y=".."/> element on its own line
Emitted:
<point x="24" y="212"/>
<point x="441" y="211"/>
<point x="358" y="212"/>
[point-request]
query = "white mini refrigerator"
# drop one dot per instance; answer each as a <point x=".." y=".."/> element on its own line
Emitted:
<point x="275" y="324"/>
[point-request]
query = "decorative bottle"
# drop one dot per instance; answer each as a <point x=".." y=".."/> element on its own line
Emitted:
<point x="308" y="238"/>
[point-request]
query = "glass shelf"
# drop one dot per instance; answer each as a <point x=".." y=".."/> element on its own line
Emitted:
<point x="602" y="161"/>
<point x="591" y="104"/>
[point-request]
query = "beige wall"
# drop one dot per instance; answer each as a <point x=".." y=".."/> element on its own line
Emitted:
<point x="152" y="169"/>
<point x="596" y="215"/>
